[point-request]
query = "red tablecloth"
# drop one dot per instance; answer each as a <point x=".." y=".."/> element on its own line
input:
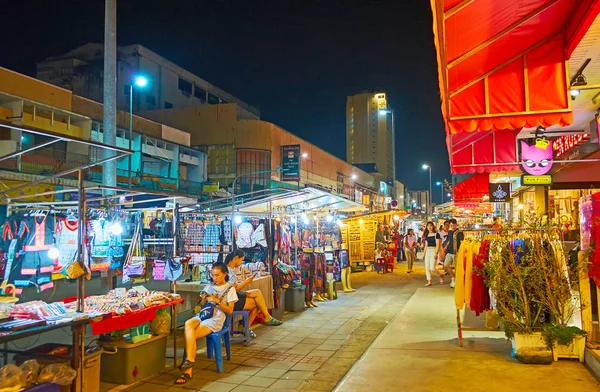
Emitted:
<point x="112" y="323"/>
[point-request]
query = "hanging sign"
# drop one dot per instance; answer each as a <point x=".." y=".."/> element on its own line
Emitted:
<point x="210" y="187"/>
<point x="536" y="162"/>
<point x="499" y="192"/>
<point x="290" y="162"/>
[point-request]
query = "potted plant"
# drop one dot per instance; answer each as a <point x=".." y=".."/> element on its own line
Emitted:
<point x="509" y="273"/>
<point x="556" y="289"/>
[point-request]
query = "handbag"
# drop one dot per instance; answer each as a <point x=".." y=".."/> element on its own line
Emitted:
<point x="134" y="265"/>
<point x="74" y="270"/>
<point x="173" y="270"/>
<point x="208" y="310"/>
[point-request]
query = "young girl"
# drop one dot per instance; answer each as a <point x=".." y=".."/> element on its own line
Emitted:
<point x="221" y="294"/>
<point x="410" y="248"/>
<point x="432" y="245"/>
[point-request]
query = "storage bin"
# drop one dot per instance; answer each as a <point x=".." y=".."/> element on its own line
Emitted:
<point x="278" y="312"/>
<point x="126" y="363"/>
<point x="44" y="387"/>
<point x="294" y="299"/>
<point x="91" y="365"/>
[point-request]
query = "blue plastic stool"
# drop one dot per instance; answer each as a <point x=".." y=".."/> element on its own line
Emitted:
<point x="245" y="337"/>
<point x="213" y="344"/>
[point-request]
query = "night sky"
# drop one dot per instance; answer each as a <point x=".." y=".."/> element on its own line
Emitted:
<point x="296" y="60"/>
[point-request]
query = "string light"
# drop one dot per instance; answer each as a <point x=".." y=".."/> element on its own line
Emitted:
<point x="116" y="228"/>
<point x="237" y="219"/>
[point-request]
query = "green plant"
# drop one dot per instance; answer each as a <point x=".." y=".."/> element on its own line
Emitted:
<point x="560" y="334"/>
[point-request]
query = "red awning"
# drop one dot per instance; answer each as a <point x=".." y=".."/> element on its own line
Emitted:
<point x="479" y="152"/>
<point x="472" y="190"/>
<point x="502" y="63"/>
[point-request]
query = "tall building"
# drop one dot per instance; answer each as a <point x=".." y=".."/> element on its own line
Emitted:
<point x="169" y="86"/>
<point x="370" y="134"/>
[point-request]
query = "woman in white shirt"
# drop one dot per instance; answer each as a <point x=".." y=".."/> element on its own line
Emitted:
<point x="224" y="296"/>
<point x="432" y="243"/>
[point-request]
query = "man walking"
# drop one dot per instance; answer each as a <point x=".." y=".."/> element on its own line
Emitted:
<point x="451" y="246"/>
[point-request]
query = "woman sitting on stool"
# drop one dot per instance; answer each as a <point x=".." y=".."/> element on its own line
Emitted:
<point x="250" y="300"/>
<point x="224" y="297"/>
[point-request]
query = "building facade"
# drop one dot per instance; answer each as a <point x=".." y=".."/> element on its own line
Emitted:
<point x="163" y="158"/>
<point x="169" y="86"/>
<point x="370" y="134"/>
<point x="237" y="146"/>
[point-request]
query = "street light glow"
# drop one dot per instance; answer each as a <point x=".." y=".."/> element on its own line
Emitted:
<point x="382" y="112"/>
<point x="425" y="167"/>
<point x="438" y="183"/>
<point x="304" y="155"/>
<point x="141" y="81"/>
<point x="354" y="176"/>
<point x="449" y="194"/>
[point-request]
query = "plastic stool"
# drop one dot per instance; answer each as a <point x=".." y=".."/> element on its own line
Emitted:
<point x="380" y="265"/>
<point x="213" y="344"/>
<point x="245" y="337"/>
<point x="390" y="263"/>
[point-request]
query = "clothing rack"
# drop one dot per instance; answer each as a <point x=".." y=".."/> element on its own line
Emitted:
<point x="494" y="231"/>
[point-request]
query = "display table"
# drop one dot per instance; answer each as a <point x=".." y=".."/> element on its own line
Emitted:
<point x="189" y="291"/>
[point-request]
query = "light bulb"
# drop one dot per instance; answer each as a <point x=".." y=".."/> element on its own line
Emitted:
<point x="293" y="219"/>
<point x="339" y="223"/>
<point x="305" y="219"/>
<point x="329" y="218"/>
<point x="53" y="253"/>
<point x="237" y="219"/>
<point x="360" y="221"/>
<point x="116" y="228"/>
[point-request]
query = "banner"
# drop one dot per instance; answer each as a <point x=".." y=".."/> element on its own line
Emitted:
<point x="28" y="190"/>
<point x="290" y="162"/>
<point x="500" y="192"/>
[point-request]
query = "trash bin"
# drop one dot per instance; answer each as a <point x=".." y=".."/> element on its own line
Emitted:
<point x="294" y="299"/>
<point x="91" y="363"/>
<point x="126" y="363"/>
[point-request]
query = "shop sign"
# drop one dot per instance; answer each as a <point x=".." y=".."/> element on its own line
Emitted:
<point x="210" y="187"/>
<point x="499" y="192"/>
<point x="290" y="162"/>
<point x="568" y="142"/>
<point x="74" y="196"/>
<point x="537" y="180"/>
<point x="28" y="190"/>
<point x="383" y="187"/>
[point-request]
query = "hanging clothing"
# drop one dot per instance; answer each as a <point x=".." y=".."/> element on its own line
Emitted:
<point x="244" y="239"/>
<point x="480" y="297"/>
<point x="463" y="273"/>
<point x="308" y="268"/>
<point x="320" y="277"/>
<point x="66" y="241"/>
<point x="226" y="237"/>
<point x="37" y="245"/>
<point x="258" y="236"/>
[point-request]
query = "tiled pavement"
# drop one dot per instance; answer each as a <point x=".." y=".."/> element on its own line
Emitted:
<point x="311" y="351"/>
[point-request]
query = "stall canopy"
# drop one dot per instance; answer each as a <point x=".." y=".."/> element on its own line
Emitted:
<point x="503" y="64"/>
<point x="472" y="191"/>
<point x="307" y="199"/>
<point x="479" y="152"/>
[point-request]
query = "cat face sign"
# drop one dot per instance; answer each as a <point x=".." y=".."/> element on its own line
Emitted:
<point x="536" y="161"/>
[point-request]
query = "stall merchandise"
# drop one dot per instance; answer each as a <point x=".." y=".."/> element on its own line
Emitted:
<point x="589" y="207"/>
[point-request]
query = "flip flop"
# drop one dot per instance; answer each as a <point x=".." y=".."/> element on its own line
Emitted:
<point x="184" y="378"/>
<point x="186" y="364"/>
<point x="273" y="322"/>
<point x="252" y="334"/>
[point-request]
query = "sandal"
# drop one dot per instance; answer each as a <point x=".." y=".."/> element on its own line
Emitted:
<point x="428" y="284"/>
<point x="183" y="379"/>
<point x="252" y="334"/>
<point x="442" y="279"/>
<point x="273" y="322"/>
<point x="186" y="364"/>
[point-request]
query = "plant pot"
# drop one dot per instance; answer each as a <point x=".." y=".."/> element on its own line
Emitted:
<point x="574" y="350"/>
<point x="531" y="349"/>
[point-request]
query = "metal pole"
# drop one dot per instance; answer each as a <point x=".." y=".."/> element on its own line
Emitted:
<point x="430" y="188"/>
<point x="130" y="130"/>
<point x="110" y="90"/>
<point x="81" y="240"/>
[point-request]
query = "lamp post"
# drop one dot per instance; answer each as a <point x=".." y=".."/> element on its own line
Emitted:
<point x="427" y="167"/>
<point x="139" y="81"/>
<point x="441" y="185"/>
<point x="277" y="170"/>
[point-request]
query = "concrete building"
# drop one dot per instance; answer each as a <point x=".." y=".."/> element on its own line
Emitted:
<point x="418" y="199"/>
<point x="163" y="160"/>
<point x="370" y="134"/>
<point x="237" y="145"/>
<point x="170" y="86"/>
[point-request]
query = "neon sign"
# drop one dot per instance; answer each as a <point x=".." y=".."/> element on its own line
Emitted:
<point x="567" y="142"/>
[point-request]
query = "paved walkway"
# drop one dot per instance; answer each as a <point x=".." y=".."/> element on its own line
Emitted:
<point x="390" y="335"/>
<point x="418" y="351"/>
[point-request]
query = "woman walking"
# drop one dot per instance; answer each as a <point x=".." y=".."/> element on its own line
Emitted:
<point x="410" y="248"/>
<point x="432" y="246"/>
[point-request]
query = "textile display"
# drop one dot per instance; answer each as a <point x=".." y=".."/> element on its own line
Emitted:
<point x="308" y="266"/>
<point x="320" y="274"/>
<point x="66" y="241"/>
<point x="590" y="233"/>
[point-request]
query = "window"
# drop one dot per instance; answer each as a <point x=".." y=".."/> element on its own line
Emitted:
<point x="213" y="99"/>
<point x="150" y="100"/>
<point x="168" y="105"/>
<point x="200" y="94"/>
<point x="185" y="86"/>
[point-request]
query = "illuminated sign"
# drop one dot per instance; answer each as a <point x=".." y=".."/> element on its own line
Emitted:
<point x="537" y="180"/>
<point x="499" y="192"/>
<point x="567" y="142"/>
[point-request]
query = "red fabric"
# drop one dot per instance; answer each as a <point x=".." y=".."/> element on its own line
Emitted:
<point x="480" y="152"/>
<point x="579" y="23"/>
<point x="480" y="295"/>
<point x="114" y="323"/>
<point x="473" y="189"/>
<point x="594" y="268"/>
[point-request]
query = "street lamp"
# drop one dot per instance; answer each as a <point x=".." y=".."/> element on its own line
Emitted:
<point x="441" y="185"/>
<point x="276" y="170"/>
<point x="141" y="82"/>
<point x="427" y="167"/>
